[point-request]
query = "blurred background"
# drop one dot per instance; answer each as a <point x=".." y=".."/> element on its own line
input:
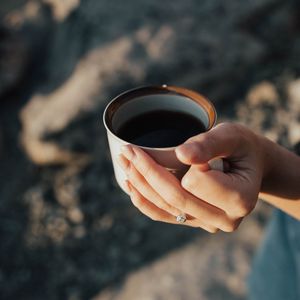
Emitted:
<point x="66" y="229"/>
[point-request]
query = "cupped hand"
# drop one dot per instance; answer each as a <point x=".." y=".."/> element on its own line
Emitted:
<point x="212" y="200"/>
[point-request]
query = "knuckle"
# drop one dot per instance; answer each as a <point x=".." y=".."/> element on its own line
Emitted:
<point x="143" y="166"/>
<point x="209" y="229"/>
<point x="247" y="207"/>
<point x="224" y="125"/>
<point x="177" y="200"/>
<point x="234" y="128"/>
<point x="229" y="226"/>
<point x="235" y="198"/>
<point x="240" y="205"/>
<point x="130" y="172"/>
<point x="146" y="170"/>
<point x="154" y="217"/>
<point x="204" y="146"/>
<point x="196" y="149"/>
<point x="234" y="132"/>
<point x="173" y="211"/>
<point x="188" y="182"/>
<point x="210" y="142"/>
<point x="238" y="135"/>
<point x="163" y="206"/>
<point x="135" y="177"/>
<point x="244" y="208"/>
<point x="137" y="201"/>
<point x="213" y="230"/>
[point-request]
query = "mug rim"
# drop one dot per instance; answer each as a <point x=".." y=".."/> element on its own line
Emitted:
<point x="147" y="90"/>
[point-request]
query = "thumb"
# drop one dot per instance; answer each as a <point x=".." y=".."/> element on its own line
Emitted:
<point x="218" y="142"/>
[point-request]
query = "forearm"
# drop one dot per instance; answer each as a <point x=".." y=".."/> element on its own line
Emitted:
<point x="281" y="180"/>
<point x="291" y="207"/>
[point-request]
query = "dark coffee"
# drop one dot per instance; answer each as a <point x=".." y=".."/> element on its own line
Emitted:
<point x="160" y="129"/>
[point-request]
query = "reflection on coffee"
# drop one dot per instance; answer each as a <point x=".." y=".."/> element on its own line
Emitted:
<point x="160" y="129"/>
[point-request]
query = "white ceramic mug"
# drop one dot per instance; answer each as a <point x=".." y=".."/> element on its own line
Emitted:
<point x="152" y="98"/>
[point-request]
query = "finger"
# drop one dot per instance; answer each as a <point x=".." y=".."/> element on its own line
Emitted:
<point x="148" y="208"/>
<point x="156" y="214"/>
<point x="139" y="182"/>
<point x="169" y="188"/>
<point x="214" y="187"/>
<point x="140" y="185"/>
<point x="157" y="176"/>
<point x="220" y="141"/>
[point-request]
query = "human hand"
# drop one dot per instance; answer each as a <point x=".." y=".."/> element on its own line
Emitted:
<point x="211" y="199"/>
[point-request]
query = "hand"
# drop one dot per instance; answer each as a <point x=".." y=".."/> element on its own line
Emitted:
<point x="211" y="199"/>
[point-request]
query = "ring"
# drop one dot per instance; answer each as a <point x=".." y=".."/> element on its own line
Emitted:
<point x="181" y="218"/>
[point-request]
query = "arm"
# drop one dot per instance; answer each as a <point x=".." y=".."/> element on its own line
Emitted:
<point x="281" y="180"/>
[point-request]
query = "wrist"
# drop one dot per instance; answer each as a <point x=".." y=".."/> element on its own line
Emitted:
<point x="280" y="170"/>
<point x="270" y="158"/>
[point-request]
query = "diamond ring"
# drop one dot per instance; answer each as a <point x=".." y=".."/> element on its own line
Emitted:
<point x="181" y="218"/>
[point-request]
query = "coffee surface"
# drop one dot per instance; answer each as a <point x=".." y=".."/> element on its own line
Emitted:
<point x="160" y="129"/>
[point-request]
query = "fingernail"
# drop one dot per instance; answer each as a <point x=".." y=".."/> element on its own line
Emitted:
<point x="127" y="187"/>
<point x="122" y="162"/>
<point x="128" y="152"/>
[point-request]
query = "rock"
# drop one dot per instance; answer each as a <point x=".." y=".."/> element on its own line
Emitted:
<point x="293" y="91"/>
<point x="21" y="13"/>
<point x="264" y="92"/>
<point x="24" y="26"/>
<point x="294" y="132"/>
<point x="46" y="114"/>
<point x="14" y="58"/>
<point x="61" y="9"/>
<point x="272" y="114"/>
<point x="75" y="215"/>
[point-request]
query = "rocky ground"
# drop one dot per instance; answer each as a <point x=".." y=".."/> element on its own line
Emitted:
<point x="66" y="229"/>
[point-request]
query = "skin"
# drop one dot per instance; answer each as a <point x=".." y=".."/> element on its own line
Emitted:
<point x="213" y="200"/>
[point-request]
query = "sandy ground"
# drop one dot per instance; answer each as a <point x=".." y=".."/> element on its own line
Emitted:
<point x="66" y="229"/>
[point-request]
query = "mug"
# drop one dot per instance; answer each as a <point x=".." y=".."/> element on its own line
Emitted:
<point x="138" y="101"/>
